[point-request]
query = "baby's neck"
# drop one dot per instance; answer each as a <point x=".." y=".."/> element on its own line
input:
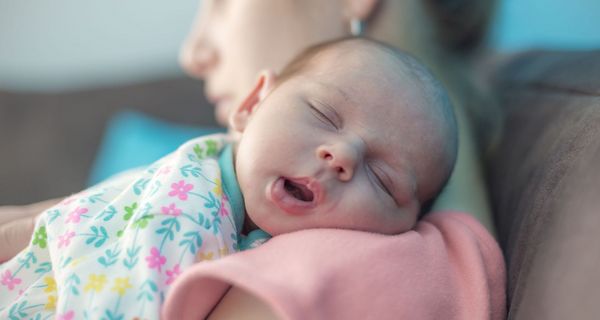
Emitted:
<point x="249" y="225"/>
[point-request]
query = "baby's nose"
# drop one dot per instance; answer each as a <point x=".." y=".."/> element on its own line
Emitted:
<point x="342" y="158"/>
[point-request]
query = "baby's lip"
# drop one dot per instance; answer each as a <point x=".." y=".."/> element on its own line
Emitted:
<point x="296" y="196"/>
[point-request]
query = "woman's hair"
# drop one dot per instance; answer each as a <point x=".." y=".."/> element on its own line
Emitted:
<point x="460" y="28"/>
<point x="461" y="24"/>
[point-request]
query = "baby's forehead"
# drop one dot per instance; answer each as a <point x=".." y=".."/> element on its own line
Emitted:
<point x="362" y="56"/>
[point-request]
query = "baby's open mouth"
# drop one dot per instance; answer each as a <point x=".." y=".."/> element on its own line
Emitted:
<point x="296" y="196"/>
<point x="298" y="190"/>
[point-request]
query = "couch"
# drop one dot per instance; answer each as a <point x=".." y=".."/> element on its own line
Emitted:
<point x="544" y="176"/>
<point x="544" y="181"/>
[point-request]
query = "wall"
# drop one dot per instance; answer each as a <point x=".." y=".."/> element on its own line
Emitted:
<point x="54" y="45"/>
<point x="556" y="24"/>
<point x="68" y="44"/>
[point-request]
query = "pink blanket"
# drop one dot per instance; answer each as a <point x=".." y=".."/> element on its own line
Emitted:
<point x="448" y="267"/>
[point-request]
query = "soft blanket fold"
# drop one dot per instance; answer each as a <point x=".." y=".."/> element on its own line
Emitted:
<point x="449" y="267"/>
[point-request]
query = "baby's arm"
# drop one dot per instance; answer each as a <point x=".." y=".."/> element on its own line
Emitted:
<point x="239" y="304"/>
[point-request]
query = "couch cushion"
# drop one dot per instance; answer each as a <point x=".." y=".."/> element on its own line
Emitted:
<point x="48" y="141"/>
<point x="545" y="184"/>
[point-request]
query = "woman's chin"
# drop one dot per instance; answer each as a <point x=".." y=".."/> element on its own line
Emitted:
<point x="222" y="113"/>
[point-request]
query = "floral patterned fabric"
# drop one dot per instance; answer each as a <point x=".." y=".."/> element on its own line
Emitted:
<point x="112" y="251"/>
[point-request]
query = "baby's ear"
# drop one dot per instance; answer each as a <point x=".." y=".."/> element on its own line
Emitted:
<point x="238" y="119"/>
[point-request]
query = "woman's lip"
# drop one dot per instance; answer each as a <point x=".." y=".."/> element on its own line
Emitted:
<point x="277" y="194"/>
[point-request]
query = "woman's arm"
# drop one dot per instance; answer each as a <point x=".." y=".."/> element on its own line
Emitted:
<point x="16" y="226"/>
<point x="240" y="304"/>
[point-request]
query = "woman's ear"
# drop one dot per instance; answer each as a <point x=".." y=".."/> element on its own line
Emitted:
<point x="238" y="119"/>
<point x="359" y="9"/>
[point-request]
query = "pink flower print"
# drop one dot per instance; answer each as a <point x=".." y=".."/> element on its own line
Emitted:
<point x="223" y="211"/>
<point x="164" y="170"/>
<point x="155" y="260"/>
<point x="75" y="215"/>
<point x="181" y="189"/>
<point x="65" y="239"/>
<point x="68" y="200"/>
<point x="171" y="210"/>
<point x="172" y="274"/>
<point x="66" y="316"/>
<point x="9" y="281"/>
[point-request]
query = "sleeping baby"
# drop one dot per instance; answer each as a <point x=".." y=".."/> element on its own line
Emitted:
<point x="352" y="134"/>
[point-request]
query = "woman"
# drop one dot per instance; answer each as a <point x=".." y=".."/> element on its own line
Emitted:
<point x="233" y="40"/>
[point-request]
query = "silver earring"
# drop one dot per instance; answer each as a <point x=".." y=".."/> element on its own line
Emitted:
<point x="356" y="27"/>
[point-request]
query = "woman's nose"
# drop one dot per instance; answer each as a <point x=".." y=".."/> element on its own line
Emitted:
<point x="198" y="57"/>
<point x="341" y="158"/>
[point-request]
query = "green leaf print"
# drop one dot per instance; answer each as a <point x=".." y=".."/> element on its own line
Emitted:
<point x="129" y="211"/>
<point x="199" y="152"/>
<point x="142" y="222"/>
<point x="40" y="237"/>
<point x="211" y="148"/>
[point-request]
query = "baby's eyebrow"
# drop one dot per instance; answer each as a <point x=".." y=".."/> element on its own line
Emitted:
<point x="336" y="89"/>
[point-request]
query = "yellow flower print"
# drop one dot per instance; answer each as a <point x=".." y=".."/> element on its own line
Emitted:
<point x="224" y="251"/>
<point x="95" y="282"/>
<point x="218" y="189"/>
<point x="205" y="256"/>
<point x="50" y="284"/>
<point x="51" y="304"/>
<point x="76" y="261"/>
<point x="121" y="285"/>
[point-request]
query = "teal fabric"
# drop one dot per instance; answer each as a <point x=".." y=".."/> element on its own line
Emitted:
<point x="231" y="186"/>
<point x="133" y="139"/>
<point x="253" y="239"/>
<point x="236" y="199"/>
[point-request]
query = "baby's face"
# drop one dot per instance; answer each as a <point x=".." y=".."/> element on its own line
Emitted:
<point x="333" y="150"/>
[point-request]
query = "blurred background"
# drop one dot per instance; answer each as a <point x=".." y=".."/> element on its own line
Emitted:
<point x="90" y="88"/>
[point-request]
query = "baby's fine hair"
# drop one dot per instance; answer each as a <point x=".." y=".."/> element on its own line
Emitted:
<point x="433" y="92"/>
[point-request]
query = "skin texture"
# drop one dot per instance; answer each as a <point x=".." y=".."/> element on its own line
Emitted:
<point x="227" y="46"/>
<point x="232" y="41"/>
<point x="16" y="226"/>
<point x="347" y="129"/>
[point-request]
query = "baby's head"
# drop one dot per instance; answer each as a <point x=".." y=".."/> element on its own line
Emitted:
<point x="353" y="134"/>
